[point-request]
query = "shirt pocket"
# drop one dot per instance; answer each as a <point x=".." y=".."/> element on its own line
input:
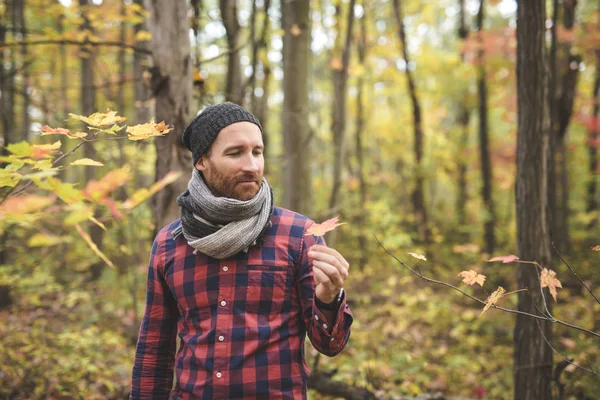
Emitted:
<point x="269" y="289"/>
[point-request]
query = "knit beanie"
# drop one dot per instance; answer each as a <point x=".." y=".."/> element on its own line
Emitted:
<point x="200" y="134"/>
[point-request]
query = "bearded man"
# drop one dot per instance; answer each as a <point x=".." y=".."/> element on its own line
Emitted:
<point x="236" y="279"/>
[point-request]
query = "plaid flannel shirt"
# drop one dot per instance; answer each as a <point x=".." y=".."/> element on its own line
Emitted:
<point x="242" y="321"/>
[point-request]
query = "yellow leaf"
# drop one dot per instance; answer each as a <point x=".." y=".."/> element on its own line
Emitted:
<point x="295" y="30"/>
<point x="322" y="229"/>
<point x="144" y="131"/>
<point x="143" y="194"/>
<point x="548" y="279"/>
<point x="80" y="212"/>
<point x="493" y="299"/>
<point x="471" y="277"/>
<point x="100" y="224"/>
<point x="418" y="256"/>
<point x="99" y="119"/>
<point x="46" y="130"/>
<point x="93" y="246"/>
<point x="46" y="240"/>
<point x="143" y="36"/>
<point x="596" y="247"/>
<point x="88" y="162"/>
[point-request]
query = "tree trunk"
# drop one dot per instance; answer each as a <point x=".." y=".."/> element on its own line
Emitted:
<point x="7" y="75"/>
<point x="418" y="196"/>
<point x="141" y="63"/>
<point x="88" y="106"/>
<point x="172" y="87"/>
<point x="22" y="29"/>
<point x="234" y="89"/>
<point x="532" y="355"/>
<point x="564" y="73"/>
<point x="297" y="137"/>
<point x="484" y="152"/>
<point x="360" y="127"/>
<point x="340" y="88"/>
<point x="592" y="201"/>
<point x="463" y="116"/>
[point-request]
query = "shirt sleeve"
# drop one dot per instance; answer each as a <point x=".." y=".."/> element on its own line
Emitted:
<point x="152" y="376"/>
<point x="327" y="340"/>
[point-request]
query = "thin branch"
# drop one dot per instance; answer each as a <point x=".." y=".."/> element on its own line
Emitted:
<point x="575" y="273"/>
<point x="80" y="43"/>
<point x="508" y="310"/>
<point x="570" y="361"/>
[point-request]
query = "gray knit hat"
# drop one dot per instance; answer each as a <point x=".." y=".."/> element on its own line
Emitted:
<point x="203" y="130"/>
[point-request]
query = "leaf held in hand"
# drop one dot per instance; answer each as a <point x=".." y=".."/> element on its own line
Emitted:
<point x="493" y="299"/>
<point x="418" y="256"/>
<point x="504" y="259"/>
<point x="548" y="279"/>
<point x="472" y="277"/>
<point x="322" y="229"/>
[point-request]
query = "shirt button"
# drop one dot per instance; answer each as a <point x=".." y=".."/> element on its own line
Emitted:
<point x="331" y="339"/>
<point x="324" y="326"/>
<point x="223" y="303"/>
<point x="225" y="268"/>
<point x="219" y="374"/>
<point x="316" y="317"/>
<point x="221" y="338"/>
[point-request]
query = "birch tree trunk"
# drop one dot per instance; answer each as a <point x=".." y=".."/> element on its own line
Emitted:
<point x="172" y="88"/>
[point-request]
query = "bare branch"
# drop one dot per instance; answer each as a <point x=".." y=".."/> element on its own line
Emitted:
<point x="575" y="273"/>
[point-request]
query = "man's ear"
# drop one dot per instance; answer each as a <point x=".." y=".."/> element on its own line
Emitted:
<point x="201" y="163"/>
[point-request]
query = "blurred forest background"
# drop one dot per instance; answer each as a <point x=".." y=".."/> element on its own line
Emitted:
<point x="402" y="116"/>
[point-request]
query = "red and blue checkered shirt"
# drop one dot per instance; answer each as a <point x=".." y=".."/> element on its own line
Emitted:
<point x="242" y="321"/>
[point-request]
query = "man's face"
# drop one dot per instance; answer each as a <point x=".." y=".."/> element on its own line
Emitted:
<point x="233" y="167"/>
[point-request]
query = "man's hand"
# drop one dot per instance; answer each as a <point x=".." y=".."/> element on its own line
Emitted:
<point x="330" y="271"/>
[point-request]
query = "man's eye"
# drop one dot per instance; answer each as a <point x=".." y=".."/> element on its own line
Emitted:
<point x="237" y="153"/>
<point x="258" y="153"/>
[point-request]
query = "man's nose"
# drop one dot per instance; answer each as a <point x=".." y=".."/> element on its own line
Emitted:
<point x="251" y="163"/>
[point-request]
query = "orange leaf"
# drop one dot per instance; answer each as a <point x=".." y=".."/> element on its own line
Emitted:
<point x="493" y="299"/>
<point x="471" y="277"/>
<point x="96" y="190"/>
<point x="596" y="247"/>
<point x="19" y="205"/>
<point x="322" y="229"/>
<point x="548" y="279"/>
<point x="504" y="259"/>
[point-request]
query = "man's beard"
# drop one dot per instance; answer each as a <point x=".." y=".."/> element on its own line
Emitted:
<point x="233" y="186"/>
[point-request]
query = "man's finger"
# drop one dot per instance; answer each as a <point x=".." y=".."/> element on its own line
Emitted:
<point x="332" y="273"/>
<point x="316" y="250"/>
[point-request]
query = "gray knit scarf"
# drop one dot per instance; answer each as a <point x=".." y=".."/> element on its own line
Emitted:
<point x="220" y="226"/>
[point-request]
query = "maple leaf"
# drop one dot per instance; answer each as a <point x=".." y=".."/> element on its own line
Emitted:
<point x="418" y="256"/>
<point x="144" y="131"/>
<point x="19" y="205"/>
<point x="46" y="130"/>
<point x="504" y="259"/>
<point x="99" y="119"/>
<point x="88" y="162"/>
<point x="596" y="247"/>
<point x="548" y="279"/>
<point x="471" y="277"/>
<point x="143" y="194"/>
<point x="98" y="190"/>
<point x="322" y="229"/>
<point x="493" y="298"/>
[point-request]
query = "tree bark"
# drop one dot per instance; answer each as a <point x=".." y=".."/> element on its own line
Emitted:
<point x="296" y="138"/>
<point x="340" y="88"/>
<point x="88" y="106"/>
<point x="234" y="89"/>
<point x="532" y="355"/>
<point x="7" y="83"/>
<point x="418" y="196"/>
<point x="172" y="88"/>
<point x="592" y="201"/>
<point x="484" y="151"/>
<point x="22" y="30"/>
<point x="360" y="127"/>
<point x="463" y="116"/>
<point x="141" y="63"/>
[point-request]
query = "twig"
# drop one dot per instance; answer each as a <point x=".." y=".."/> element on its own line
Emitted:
<point x="575" y="273"/>
<point x="509" y="310"/>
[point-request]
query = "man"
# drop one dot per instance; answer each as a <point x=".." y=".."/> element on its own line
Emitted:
<point x="236" y="279"/>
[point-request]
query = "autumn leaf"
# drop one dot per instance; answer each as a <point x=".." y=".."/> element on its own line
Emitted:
<point x="596" y="247"/>
<point x="322" y="229"/>
<point x="504" y="259"/>
<point x="295" y="30"/>
<point x="93" y="246"/>
<point x="88" y="162"/>
<point x="37" y="151"/>
<point x="143" y="36"/>
<point x="46" y="130"/>
<point x="144" y="131"/>
<point x="418" y="256"/>
<point x="548" y="279"/>
<point x="19" y="205"/>
<point x="471" y="277"/>
<point x="493" y="299"/>
<point x="143" y="194"/>
<point x="97" y="190"/>
<point x="99" y="119"/>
